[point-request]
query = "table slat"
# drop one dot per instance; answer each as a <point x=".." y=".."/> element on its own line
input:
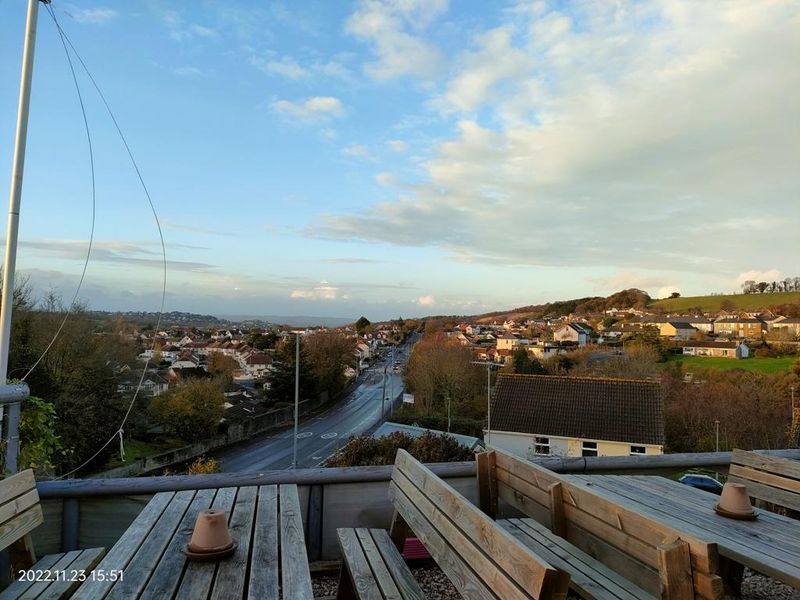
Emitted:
<point x="295" y="575"/>
<point x="264" y="560"/>
<point x="231" y="577"/>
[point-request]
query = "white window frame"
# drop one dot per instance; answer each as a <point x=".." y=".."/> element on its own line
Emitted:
<point x="637" y="453"/>
<point x="541" y="443"/>
<point x="584" y="449"/>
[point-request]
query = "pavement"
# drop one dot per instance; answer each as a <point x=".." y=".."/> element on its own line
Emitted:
<point x="322" y="434"/>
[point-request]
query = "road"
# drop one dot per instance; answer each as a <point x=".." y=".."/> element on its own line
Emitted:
<point x="321" y="435"/>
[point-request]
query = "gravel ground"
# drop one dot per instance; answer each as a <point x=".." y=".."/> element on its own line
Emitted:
<point x="437" y="586"/>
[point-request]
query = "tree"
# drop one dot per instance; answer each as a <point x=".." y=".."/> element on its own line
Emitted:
<point x="749" y="287"/>
<point x="362" y="324"/>
<point x="329" y="353"/>
<point x="222" y="366"/>
<point x="440" y="369"/>
<point x="522" y="363"/>
<point x="40" y="446"/>
<point x="428" y="448"/>
<point x="281" y="378"/>
<point x="192" y="410"/>
<point x="761" y="286"/>
<point x="675" y="295"/>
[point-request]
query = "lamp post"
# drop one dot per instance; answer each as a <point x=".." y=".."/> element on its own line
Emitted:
<point x="296" y="398"/>
<point x="489" y="366"/>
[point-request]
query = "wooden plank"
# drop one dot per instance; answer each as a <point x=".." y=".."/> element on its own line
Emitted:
<point x="557" y="520"/>
<point x="20" y="525"/>
<point x="232" y="572"/>
<point x="62" y="564"/>
<point x="538" y="476"/>
<point x="314" y="520"/>
<point x="354" y="561"/>
<point x="167" y="574"/>
<point x="524" y="504"/>
<point x="466" y="582"/>
<point x="487" y="482"/>
<point x="18" y="505"/>
<point x="398" y="530"/>
<point x="17" y="485"/>
<point x="198" y="577"/>
<point x="264" y="582"/>
<point x="295" y="575"/>
<point x="408" y="586"/>
<point x="18" y="587"/>
<point x="448" y="508"/>
<point x="675" y="571"/>
<point x="86" y="561"/>
<point x="380" y="571"/>
<point x="766" y="478"/>
<point x="773" y="464"/>
<point x="123" y="551"/>
<point x="147" y="557"/>
<point x="768" y="493"/>
<point x="517" y="481"/>
<point x="590" y="578"/>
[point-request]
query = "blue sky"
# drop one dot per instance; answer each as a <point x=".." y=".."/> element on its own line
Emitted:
<point x="410" y="157"/>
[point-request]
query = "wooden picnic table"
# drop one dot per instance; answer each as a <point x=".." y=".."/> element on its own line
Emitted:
<point x="770" y="544"/>
<point x="265" y="522"/>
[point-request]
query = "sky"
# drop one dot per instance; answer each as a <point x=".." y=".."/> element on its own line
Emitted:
<point x="408" y="157"/>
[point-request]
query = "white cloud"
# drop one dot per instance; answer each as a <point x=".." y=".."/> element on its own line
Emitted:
<point x="189" y="71"/>
<point x="385" y="178"/>
<point x="667" y="291"/>
<point x="426" y="301"/>
<point x="398" y="146"/>
<point x="312" y="109"/>
<point x="358" y="150"/>
<point x="323" y="291"/>
<point x="621" y="144"/>
<point x="94" y="16"/>
<point x="768" y="276"/>
<point x="286" y="67"/>
<point x="181" y="31"/>
<point x="398" y="52"/>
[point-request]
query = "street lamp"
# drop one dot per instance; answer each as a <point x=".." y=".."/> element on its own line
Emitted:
<point x="489" y="366"/>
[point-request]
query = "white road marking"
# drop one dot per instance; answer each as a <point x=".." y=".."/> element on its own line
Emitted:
<point x="327" y="436"/>
<point x="303" y="435"/>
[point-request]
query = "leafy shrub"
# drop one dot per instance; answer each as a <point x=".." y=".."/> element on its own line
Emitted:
<point x="428" y="448"/>
<point x="203" y="465"/>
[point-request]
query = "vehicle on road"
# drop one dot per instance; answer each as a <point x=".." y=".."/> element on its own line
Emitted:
<point x="702" y="482"/>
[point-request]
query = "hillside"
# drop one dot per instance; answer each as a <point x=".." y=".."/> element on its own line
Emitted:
<point x="728" y="302"/>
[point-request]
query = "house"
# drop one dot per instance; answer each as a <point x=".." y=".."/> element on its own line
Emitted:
<point x="152" y="384"/>
<point x="743" y="327"/>
<point x="579" y="333"/>
<point x="677" y="330"/>
<point x="717" y="349"/>
<point x="577" y="416"/>
<point x="792" y="325"/>
<point x="508" y="341"/>
<point x="700" y="323"/>
<point x="545" y="350"/>
<point x="257" y="364"/>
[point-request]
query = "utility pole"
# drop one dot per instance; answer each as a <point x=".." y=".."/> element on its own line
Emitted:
<point x="11" y="424"/>
<point x="383" y="392"/>
<point x="296" y="398"/>
<point x="488" y="402"/>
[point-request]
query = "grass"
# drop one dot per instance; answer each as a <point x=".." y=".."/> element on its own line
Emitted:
<point x="740" y="301"/>
<point x="136" y="449"/>
<point x="757" y="365"/>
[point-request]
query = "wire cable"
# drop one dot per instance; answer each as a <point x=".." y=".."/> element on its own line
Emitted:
<point x="119" y="430"/>
<point x="72" y="304"/>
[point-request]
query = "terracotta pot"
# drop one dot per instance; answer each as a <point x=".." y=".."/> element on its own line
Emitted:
<point x="734" y="499"/>
<point x="211" y="532"/>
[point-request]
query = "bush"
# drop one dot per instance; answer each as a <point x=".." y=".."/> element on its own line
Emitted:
<point x="203" y="465"/>
<point x="428" y="448"/>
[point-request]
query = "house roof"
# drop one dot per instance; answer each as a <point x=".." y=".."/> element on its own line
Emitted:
<point x="732" y="345"/>
<point x="624" y="410"/>
<point x="680" y="325"/>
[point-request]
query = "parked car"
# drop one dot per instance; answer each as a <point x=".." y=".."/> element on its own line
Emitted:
<point x="702" y="482"/>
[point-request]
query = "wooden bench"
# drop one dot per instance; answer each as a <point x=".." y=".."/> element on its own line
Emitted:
<point x="481" y="559"/>
<point x="21" y="513"/>
<point x="772" y="479"/>
<point x="609" y="551"/>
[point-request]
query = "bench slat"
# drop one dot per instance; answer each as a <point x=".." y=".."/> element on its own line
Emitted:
<point x="296" y="577"/>
<point x="357" y="565"/>
<point x="382" y="575"/>
<point x="85" y="561"/>
<point x="408" y="586"/>
<point x="264" y="562"/>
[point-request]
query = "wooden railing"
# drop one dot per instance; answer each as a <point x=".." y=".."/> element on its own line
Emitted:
<point x="94" y="512"/>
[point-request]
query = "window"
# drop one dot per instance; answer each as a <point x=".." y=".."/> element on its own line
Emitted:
<point x="541" y="445"/>
<point x="589" y="449"/>
<point x="638" y="451"/>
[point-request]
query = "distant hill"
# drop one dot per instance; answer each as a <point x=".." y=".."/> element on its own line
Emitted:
<point x="631" y="298"/>
<point x="293" y="321"/>
<point x="750" y="302"/>
<point x="142" y="318"/>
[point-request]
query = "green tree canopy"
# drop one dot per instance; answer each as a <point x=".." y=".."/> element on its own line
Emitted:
<point x="192" y="410"/>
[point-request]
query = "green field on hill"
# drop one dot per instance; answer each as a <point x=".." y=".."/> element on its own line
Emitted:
<point x="740" y="301"/>
<point x="758" y="365"/>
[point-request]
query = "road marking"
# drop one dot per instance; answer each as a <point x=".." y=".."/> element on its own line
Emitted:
<point x="327" y="436"/>
<point x="305" y="434"/>
<point x="315" y="457"/>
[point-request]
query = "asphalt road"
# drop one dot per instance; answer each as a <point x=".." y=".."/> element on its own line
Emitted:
<point x="321" y="435"/>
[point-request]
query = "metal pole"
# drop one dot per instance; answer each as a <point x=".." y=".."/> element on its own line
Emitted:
<point x="296" y="398"/>
<point x="383" y="392"/>
<point x="15" y="196"/>
<point x="488" y="402"/>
